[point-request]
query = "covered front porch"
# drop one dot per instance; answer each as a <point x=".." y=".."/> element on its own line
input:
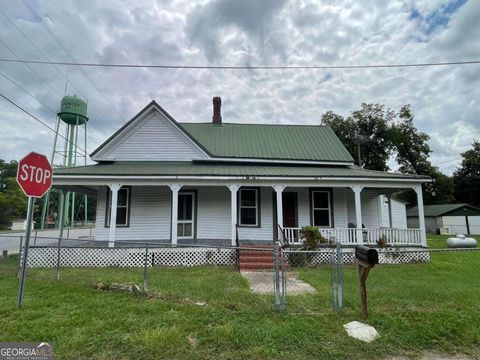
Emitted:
<point x="212" y="212"/>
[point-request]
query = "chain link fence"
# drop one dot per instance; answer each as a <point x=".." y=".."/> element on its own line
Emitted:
<point x="262" y="276"/>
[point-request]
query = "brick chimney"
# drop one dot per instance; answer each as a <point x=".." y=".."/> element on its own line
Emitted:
<point x="217" y="111"/>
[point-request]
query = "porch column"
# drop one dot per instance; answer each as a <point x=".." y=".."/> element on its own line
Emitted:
<point x="390" y="217"/>
<point x="421" y="214"/>
<point x="113" y="212"/>
<point x="233" y="223"/>
<point x="174" y="230"/>
<point x="279" y="192"/>
<point x="357" y="190"/>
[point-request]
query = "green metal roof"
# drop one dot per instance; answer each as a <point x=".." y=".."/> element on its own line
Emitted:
<point x="439" y="210"/>
<point x="149" y="168"/>
<point x="262" y="141"/>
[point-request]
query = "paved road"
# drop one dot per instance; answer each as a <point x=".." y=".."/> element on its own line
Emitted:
<point x="10" y="240"/>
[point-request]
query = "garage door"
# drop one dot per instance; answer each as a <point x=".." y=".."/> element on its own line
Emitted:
<point x="455" y="224"/>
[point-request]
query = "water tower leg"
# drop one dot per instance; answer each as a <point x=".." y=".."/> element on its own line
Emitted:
<point x="46" y="200"/>
<point x="52" y="159"/>
<point x="72" y="221"/>
<point x="85" y="202"/>
<point x="85" y="207"/>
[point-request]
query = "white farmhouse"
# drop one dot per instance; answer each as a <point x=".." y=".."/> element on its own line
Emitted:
<point x="225" y="183"/>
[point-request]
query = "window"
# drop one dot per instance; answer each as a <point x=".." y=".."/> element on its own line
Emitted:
<point x="123" y="207"/>
<point x="248" y="207"/>
<point x="186" y="214"/>
<point x="321" y="208"/>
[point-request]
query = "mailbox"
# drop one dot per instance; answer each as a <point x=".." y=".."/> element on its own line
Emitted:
<point x="366" y="255"/>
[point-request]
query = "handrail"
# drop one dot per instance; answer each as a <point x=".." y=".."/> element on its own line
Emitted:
<point x="352" y="236"/>
<point x="281" y="239"/>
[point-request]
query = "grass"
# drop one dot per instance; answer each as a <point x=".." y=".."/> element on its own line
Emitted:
<point x="440" y="241"/>
<point x="418" y="307"/>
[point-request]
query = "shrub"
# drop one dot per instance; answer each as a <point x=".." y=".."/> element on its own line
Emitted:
<point x="312" y="237"/>
<point x="382" y="241"/>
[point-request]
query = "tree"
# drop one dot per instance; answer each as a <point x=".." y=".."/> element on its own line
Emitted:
<point x="7" y="170"/>
<point x="410" y="145"/>
<point x="467" y="177"/>
<point x="374" y="134"/>
<point x="365" y="134"/>
<point x="13" y="203"/>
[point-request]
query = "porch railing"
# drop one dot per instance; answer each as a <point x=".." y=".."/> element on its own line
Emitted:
<point x="352" y="236"/>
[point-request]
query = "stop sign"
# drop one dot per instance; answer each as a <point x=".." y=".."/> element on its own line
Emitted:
<point x="34" y="174"/>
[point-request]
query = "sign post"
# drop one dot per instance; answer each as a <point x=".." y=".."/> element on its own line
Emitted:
<point x="34" y="175"/>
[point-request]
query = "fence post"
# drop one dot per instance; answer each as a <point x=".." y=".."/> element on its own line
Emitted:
<point x="145" y="265"/>
<point x="276" y="276"/>
<point x="284" y="278"/>
<point x="58" y="260"/>
<point x="340" y="276"/>
<point x="337" y="277"/>
<point x="20" y="257"/>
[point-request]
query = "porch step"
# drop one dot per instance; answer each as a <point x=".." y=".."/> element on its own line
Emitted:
<point x="256" y="253"/>
<point x="256" y="266"/>
<point x="256" y="259"/>
<point x="261" y="259"/>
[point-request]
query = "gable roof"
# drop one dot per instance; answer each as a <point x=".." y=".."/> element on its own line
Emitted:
<point x="272" y="142"/>
<point x="138" y="117"/>
<point x="439" y="210"/>
<point x="311" y="143"/>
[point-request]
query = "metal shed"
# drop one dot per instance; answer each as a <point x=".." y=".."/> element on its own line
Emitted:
<point x="448" y="218"/>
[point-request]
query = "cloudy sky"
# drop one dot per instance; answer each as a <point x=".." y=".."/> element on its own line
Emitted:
<point x="445" y="100"/>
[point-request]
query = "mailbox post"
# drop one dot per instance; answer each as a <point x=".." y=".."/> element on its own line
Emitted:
<point x="366" y="258"/>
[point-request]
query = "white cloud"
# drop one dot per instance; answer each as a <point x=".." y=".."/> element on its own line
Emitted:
<point x="229" y="32"/>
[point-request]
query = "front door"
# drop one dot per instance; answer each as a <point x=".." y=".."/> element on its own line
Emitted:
<point x="186" y="215"/>
<point x="289" y="209"/>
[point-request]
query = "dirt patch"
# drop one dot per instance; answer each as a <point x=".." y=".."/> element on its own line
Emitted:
<point x="135" y="290"/>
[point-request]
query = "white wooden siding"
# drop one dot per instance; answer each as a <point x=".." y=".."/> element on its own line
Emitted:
<point x="303" y="210"/>
<point x="149" y="215"/>
<point x="265" y="231"/>
<point x="213" y="213"/>
<point x="370" y="208"/>
<point x="340" y="207"/>
<point x="152" y="138"/>
<point x="399" y="213"/>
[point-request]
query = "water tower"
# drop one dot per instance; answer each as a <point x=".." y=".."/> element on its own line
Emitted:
<point x="67" y="152"/>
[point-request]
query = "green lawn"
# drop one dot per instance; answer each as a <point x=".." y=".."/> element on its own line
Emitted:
<point x="440" y="241"/>
<point x="416" y="308"/>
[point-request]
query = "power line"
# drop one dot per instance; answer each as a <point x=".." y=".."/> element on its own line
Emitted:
<point x="48" y="59"/>
<point x="63" y="47"/>
<point x="83" y="152"/>
<point x="231" y="67"/>
<point x="40" y="101"/>
<point x="20" y="60"/>
<point x="27" y="92"/>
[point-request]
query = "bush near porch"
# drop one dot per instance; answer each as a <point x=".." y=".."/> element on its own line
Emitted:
<point x="416" y="308"/>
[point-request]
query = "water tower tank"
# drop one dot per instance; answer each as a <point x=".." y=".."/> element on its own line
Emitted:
<point x="73" y="110"/>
